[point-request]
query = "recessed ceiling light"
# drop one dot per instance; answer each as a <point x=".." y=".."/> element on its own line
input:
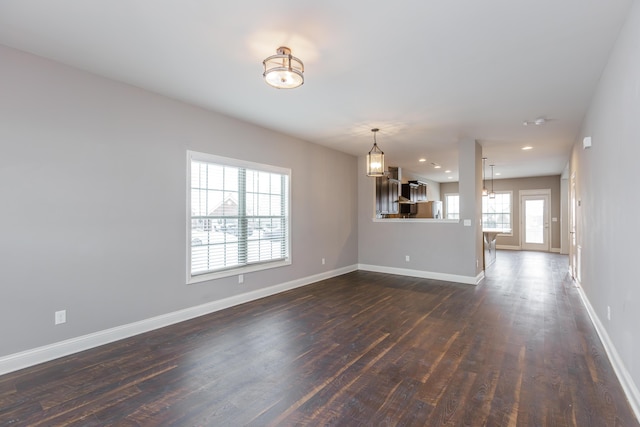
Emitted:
<point x="436" y="166"/>
<point x="450" y="177"/>
<point x="447" y="171"/>
<point x="527" y="147"/>
<point x="498" y="173"/>
<point x="422" y="160"/>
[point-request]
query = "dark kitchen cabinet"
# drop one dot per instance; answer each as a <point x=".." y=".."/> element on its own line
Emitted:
<point x="420" y="192"/>
<point x="409" y="197"/>
<point x="387" y="194"/>
<point x="412" y="192"/>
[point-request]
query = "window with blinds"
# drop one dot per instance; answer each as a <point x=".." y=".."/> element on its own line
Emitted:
<point x="496" y="212"/>
<point x="238" y="216"/>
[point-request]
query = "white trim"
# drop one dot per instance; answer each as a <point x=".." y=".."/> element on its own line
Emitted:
<point x="509" y="247"/>
<point x="469" y="280"/>
<point x="629" y="387"/>
<point x="555" y="250"/>
<point x="24" y="359"/>
<point x="482" y="212"/>
<point x="410" y="220"/>
<point x="541" y="193"/>
<point x="242" y="268"/>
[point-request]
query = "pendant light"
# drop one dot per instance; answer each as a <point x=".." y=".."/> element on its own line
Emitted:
<point x="492" y="194"/>
<point x="283" y="71"/>
<point x="375" y="158"/>
<point x="484" y="187"/>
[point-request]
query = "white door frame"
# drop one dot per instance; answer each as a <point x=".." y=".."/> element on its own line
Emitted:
<point x="573" y="227"/>
<point x="542" y="193"/>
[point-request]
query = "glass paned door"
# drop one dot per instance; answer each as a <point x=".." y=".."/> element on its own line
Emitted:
<point x="535" y="222"/>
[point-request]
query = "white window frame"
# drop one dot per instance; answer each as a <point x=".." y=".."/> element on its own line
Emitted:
<point x="245" y="268"/>
<point x="510" y="212"/>
<point x="446" y="205"/>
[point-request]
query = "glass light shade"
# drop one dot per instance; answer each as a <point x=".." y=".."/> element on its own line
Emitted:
<point x="492" y="195"/>
<point x="375" y="162"/>
<point x="485" y="191"/>
<point x="283" y="71"/>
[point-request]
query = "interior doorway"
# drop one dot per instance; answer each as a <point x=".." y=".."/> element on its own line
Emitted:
<point x="573" y="238"/>
<point x="534" y="220"/>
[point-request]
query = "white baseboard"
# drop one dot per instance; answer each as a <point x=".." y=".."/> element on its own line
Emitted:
<point x="629" y="387"/>
<point x="24" y="359"/>
<point x="508" y="247"/>
<point x="519" y="248"/>
<point x="469" y="280"/>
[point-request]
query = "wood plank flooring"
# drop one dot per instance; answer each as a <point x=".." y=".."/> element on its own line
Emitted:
<point x="362" y="349"/>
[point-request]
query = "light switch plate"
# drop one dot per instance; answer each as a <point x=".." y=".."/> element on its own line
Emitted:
<point x="467" y="223"/>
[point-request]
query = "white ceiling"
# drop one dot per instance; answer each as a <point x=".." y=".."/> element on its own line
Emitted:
<point x="426" y="72"/>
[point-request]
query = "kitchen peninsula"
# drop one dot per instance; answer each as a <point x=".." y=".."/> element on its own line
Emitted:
<point x="489" y="237"/>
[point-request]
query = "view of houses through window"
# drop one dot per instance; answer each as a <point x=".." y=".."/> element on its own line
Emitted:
<point x="239" y="215"/>
<point x="496" y="212"/>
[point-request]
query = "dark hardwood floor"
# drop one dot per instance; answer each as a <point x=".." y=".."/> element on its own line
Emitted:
<point x="357" y="350"/>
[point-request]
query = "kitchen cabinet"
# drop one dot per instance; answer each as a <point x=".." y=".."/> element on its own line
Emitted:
<point x="412" y="193"/>
<point x="409" y="197"/>
<point x="421" y="191"/>
<point x="387" y="194"/>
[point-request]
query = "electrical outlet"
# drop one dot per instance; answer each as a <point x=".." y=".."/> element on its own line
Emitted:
<point x="240" y="278"/>
<point x="60" y="317"/>
<point x="322" y="261"/>
<point x="407" y="258"/>
<point x="608" y="313"/>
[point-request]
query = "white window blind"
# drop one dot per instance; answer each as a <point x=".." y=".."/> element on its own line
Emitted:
<point x="239" y="216"/>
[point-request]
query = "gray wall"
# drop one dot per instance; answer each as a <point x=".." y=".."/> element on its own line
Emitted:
<point x="433" y="247"/>
<point x="515" y="185"/>
<point x="607" y="187"/>
<point x="93" y="190"/>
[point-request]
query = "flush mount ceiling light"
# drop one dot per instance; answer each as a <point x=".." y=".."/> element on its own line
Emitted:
<point x="375" y="158"/>
<point x="436" y="166"/>
<point x="527" y="147"/>
<point x="283" y="71"/>
<point x="538" y="122"/>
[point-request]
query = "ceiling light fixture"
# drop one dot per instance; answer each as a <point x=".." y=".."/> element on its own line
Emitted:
<point x="527" y="147"/>
<point x="492" y="194"/>
<point x="538" y="122"/>
<point x="283" y="71"/>
<point x="375" y="158"/>
<point x="484" y="187"/>
<point x="422" y="160"/>
<point x="436" y="166"/>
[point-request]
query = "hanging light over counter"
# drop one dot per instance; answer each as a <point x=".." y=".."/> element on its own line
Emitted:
<point x="375" y="158"/>
<point x="283" y="71"/>
<point x="492" y="194"/>
<point x="484" y="187"/>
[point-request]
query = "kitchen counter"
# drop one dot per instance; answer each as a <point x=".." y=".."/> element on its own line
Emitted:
<point x="490" y="235"/>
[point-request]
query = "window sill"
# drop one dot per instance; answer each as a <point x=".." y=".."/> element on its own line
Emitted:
<point x="236" y="271"/>
<point x="425" y="220"/>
